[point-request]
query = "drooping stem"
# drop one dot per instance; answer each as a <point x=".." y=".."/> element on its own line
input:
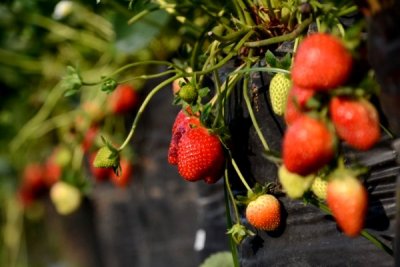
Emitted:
<point x="143" y="107"/>
<point x="231" y="196"/>
<point x="239" y="173"/>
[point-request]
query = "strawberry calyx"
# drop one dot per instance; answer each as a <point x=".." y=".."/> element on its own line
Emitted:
<point x="239" y="232"/>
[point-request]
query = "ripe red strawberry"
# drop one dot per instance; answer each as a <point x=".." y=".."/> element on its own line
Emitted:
<point x="264" y="212"/>
<point x="296" y="103"/>
<point x="347" y="198"/>
<point x="307" y="146"/>
<point x="33" y="176"/>
<point x="321" y="62"/>
<point x="89" y="138"/>
<point x="125" y="176"/>
<point x="356" y="121"/>
<point x="53" y="171"/>
<point x="182" y="123"/>
<point x="200" y="155"/>
<point x="123" y="99"/>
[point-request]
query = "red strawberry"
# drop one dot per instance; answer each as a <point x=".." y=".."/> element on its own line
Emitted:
<point x="296" y="103"/>
<point x="182" y="123"/>
<point x="356" y="121"/>
<point x="53" y="172"/>
<point x="125" y="176"/>
<point x="123" y="99"/>
<point x="33" y="184"/>
<point x="307" y="146"/>
<point x="264" y="212"/>
<point x="321" y="62"/>
<point x="347" y="198"/>
<point x="33" y="176"/>
<point x="89" y="138"/>
<point x="100" y="174"/>
<point x="200" y="155"/>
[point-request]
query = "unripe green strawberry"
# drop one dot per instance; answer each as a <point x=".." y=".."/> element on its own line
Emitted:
<point x="106" y="158"/>
<point x="320" y="187"/>
<point x="188" y="93"/>
<point x="294" y="185"/>
<point x="278" y="91"/>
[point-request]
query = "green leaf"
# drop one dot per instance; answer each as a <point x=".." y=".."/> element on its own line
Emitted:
<point x="219" y="259"/>
<point x="271" y="59"/>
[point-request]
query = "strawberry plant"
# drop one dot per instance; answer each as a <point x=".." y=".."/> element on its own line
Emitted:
<point x="320" y="93"/>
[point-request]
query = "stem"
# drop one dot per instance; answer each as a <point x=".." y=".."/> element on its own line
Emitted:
<point x="142" y="14"/>
<point x="143" y="107"/>
<point x="281" y="38"/>
<point x="376" y="242"/>
<point x="264" y="69"/>
<point x="147" y="77"/>
<point x="149" y="62"/>
<point x="228" y="192"/>
<point x="348" y="11"/>
<point x="364" y="233"/>
<point x="239" y="173"/>
<point x="227" y="58"/>
<point x="252" y="116"/>
<point x="231" y="196"/>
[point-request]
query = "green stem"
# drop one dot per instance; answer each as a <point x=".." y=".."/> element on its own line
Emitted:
<point x="50" y="102"/>
<point x="263" y="69"/>
<point x="227" y="58"/>
<point x="231" y="196"/>
<point x="364" y="233"/>
<point x="142" y="14"/>
<point x="348" y="11"/>
<point x="147" y="77"/>
<point x="143" y="107"/>
<point x="228" y="193"/>
<point x="69" y="33"/>
<point x="281" y="38"/>
<point x="239" y="173"/>
<point x="131" y="65"/>
<point x="376" y="242"/>
<point x="252" y="116"/>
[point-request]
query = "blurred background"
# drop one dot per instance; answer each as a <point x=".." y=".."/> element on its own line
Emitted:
<point x="55" y="209"/>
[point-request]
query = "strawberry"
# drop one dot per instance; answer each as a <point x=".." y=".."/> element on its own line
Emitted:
<point x="33" y="177"/>
<point x="100" y="174"/>
<point x="53" y="171"/>
<point x="321" y="62"/>
<point x="106" y="158"/>
<point x="65" y="197"/>
<point x="278" y="91"/>
<point x="320" y="187"/>
<point x="182" y="123"/>
<point x="264" y="212"/>
<point x="123" y="99"/>
<point x="188" y="93"/>
<point x="307" y="146"/>
<point x="347" y="198"/>
<point x="296" y="103"/>
<point x="125" y="176"/>
<point x="89" y="138"/>
<point x="200" y="155"/>
<point x="356" y="121"/>
<point x="294" y="185"/>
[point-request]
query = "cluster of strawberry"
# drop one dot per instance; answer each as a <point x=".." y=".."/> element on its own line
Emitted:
<point x="322" y="64"/>
<point x="196" y="151"/>
<point x="40" y="179"/>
